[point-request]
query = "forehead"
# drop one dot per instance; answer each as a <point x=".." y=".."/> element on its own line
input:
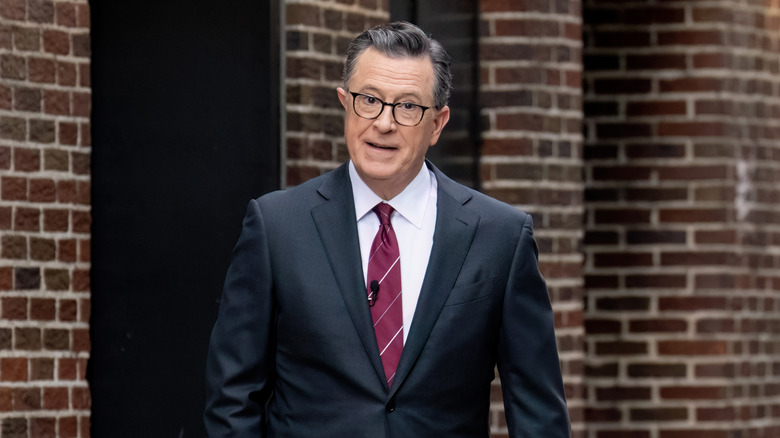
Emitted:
<point x="377" y="72"/>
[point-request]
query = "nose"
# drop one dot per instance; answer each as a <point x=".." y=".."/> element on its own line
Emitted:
<point x="385" y="122"/>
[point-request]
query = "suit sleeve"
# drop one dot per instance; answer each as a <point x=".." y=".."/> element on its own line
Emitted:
<point x="531" y="383"/>
<point x="239" y="367"/>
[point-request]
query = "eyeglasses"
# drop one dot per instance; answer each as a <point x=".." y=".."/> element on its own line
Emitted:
<point x="404" y="113"/>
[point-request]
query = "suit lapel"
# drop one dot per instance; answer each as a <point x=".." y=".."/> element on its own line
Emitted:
<point x="455" y="228"/>
<point x="335" y="222"/>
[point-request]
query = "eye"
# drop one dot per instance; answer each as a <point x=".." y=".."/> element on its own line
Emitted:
<point x="408" y="106"/>
<point x="369" y="100"/>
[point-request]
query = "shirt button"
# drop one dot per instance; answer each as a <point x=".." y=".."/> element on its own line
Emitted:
<point x="390" y="406"/>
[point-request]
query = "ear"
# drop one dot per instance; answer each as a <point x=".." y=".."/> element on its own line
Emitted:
<point x="342" y="96"/>
<point x="439" y="121"/>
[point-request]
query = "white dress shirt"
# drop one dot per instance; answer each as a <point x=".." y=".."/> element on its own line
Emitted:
<point x="414" y="221"/>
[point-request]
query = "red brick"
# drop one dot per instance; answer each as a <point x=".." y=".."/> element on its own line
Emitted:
<point x="27" y="399"/>
<point x="13" y="369"/>
<point x="42" y="70"/>
<point x="55" y="220"/>
<point x="27" y="219"/>
<point x="85" y="134"/>
<point x="85" y="250"/>
<point x="653" y="370"/>
<point x="82" y="104"/>
<point x="13" y="188"/>
<point x="67" y="368"/>
<point x="67" y="250"/>
<point x="699" y="259"/>
<point x="81" y="398"/>
<point x="691" y="37"/>
<point x="68" y="133"/>
<point x="68" y="310"/>
<point x="695" y="129"/>
<point x="56" y="398"/>
<point x="27" y="160"/>
<point x="692" y="85"/>
<point x="694" y="303"/>
<point x="623" y="304"/>
<point x="43" y="427"/>
<point x="56" y="160"/>
<point x="693" y="215"/>
<point x="66" y="14"/>
<point x="622" y="259"/>
<point x="80" y="280"/>
<point x="82" y="15"/>
<point x="623" y="393"/>
<point x="711" y="325"/>
<point x="718" y="414"/>
<point x="66" y="190"/>
<point x="13" y="128"/>
<point x="56" y="102"/>
<point x="66" y="73"/>
<point x="68" y="427"/>
<point x="13" y="9"/>
<point x="43" y="309"/>
<point x="693" y="348"/>
<point x="659" y="414"/>
<point x="716" y="236"/>
<point x="694" y="392"/>
<point x="6" y="278"/>
<point x="622" y="216"/>
<point x="43" y="190"/>
<point x="658" y="326"/>
<point x="85" y="309"/>
<point x="621" y="348"/>
<point x="81" y="340"/>
<point x="56" y="42"/>
<point x="13" y="247"/>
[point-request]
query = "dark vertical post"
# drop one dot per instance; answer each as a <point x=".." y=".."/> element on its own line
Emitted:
<point x="185" y="132"/>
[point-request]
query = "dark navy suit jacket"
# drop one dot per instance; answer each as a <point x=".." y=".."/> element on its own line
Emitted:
<point x="293" y="353"/>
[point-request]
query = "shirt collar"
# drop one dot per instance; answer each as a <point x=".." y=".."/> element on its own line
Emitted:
<point x="410" y="203"/>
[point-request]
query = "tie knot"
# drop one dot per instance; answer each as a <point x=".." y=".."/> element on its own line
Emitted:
<point x="383" y="212"/>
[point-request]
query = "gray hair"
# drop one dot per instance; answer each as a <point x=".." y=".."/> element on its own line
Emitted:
<point x="404" y="40"/>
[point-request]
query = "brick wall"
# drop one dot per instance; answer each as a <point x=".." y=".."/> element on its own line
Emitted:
<point x="44" y="217"/>
<point x="317" y="35"/>
<point x="530" y="57"/>
<point x="682" y="110"/>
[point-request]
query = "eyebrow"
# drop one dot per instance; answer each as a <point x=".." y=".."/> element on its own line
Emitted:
<point x="370" y="89"/>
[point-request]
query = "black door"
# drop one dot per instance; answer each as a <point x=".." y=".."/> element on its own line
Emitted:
<point x="185" y="132"/>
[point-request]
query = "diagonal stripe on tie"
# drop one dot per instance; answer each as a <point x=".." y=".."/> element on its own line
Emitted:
<point x="384" y="266"/>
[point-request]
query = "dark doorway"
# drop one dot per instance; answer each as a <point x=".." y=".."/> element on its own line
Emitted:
<point x="455" y="24"/>
<point x="185" y="132"/>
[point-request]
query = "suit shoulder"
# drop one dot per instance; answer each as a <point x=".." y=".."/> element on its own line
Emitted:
<point x="303" y="194"/>
<point x="486" y="206"/>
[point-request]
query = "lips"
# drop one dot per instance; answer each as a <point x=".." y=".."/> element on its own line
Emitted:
<point x="379" y="146"/>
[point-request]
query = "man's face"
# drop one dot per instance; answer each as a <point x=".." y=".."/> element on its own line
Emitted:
<point x="387" y="156"/>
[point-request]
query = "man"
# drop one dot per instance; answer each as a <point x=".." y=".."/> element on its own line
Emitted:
<point x="339" y="319"/>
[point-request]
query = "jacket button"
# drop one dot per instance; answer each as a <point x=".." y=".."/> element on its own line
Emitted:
<point x="390" y="406"/>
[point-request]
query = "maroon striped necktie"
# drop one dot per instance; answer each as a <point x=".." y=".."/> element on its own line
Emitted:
<point x="384" y="268"/>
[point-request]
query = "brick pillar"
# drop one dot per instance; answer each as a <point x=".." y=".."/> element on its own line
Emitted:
<point x="682" y="111"/>
<point x="317" y="34"/>
<point x="44" y="217"/>
<point x="532" y="154"/>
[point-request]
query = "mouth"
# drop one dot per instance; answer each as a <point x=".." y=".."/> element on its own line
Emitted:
<point x="379" y="146"/>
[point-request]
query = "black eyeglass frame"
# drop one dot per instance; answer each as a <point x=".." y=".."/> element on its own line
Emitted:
<point x="384" y="104"/>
